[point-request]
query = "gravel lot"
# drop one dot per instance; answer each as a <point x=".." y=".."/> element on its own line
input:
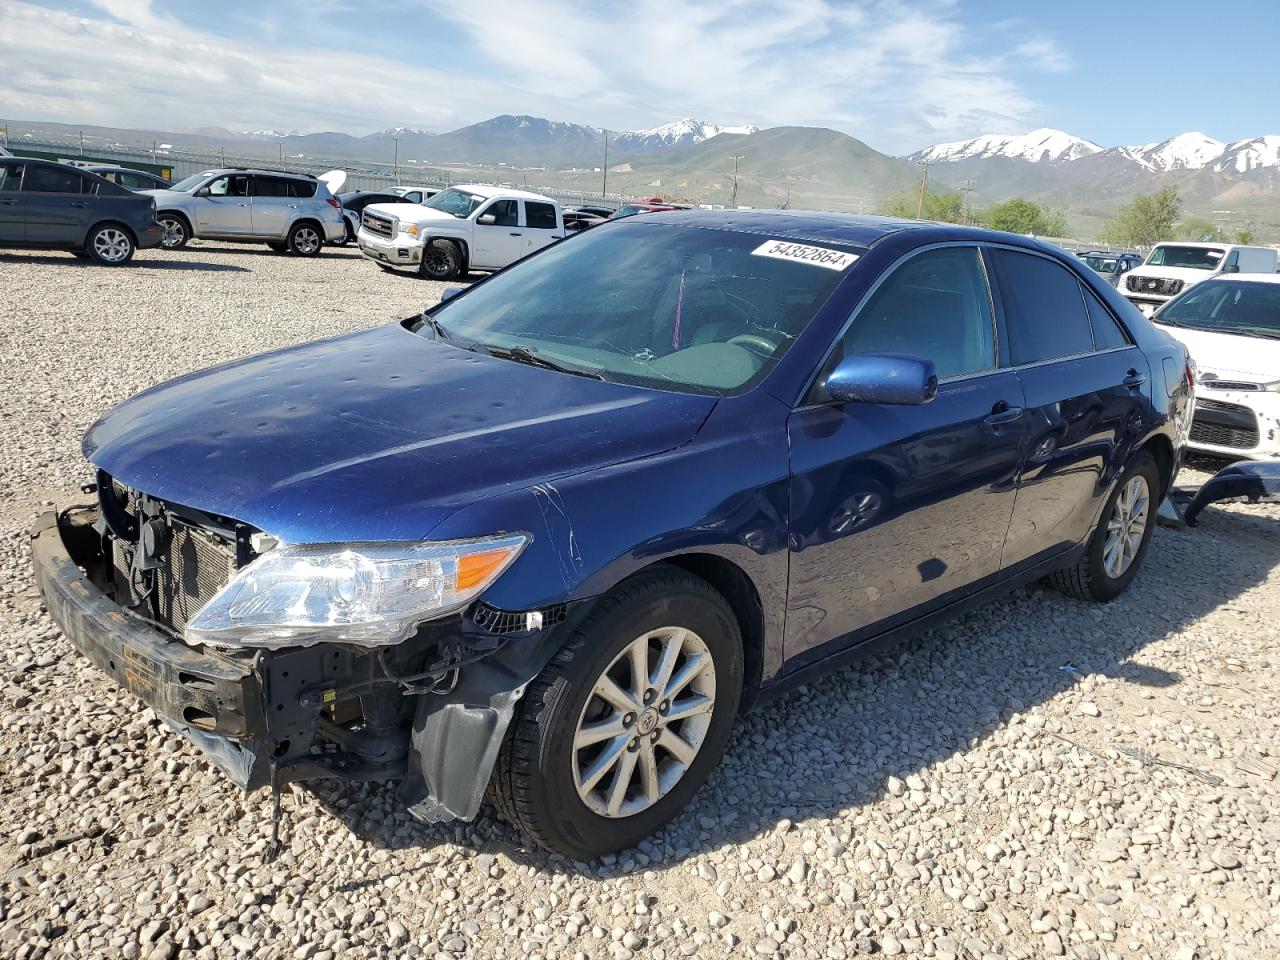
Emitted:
<point x="1041" y="778"/>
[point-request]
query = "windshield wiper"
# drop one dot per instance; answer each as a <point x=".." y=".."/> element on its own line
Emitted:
<point x="426" y="320"/>
<point x="525" y="355"/>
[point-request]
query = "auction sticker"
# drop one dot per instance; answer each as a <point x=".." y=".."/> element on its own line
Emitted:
<point x="802" y="253"/>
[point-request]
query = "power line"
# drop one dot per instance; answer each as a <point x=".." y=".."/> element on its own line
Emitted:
<point x="733" y="204"/>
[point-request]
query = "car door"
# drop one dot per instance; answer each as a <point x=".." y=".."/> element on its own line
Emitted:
<point x="540" y="226"/>
<point x="897" y="510"/>
<point x="222" y="207"/>
<point x="13" y="207"/>
<point x="273" y="207"/>
<point x="501" y="241"/>
<point x="1083" y="382"/>
<point x="57" y="204"/>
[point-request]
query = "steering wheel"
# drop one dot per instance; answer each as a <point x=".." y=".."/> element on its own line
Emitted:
<point x="762" y="344"/>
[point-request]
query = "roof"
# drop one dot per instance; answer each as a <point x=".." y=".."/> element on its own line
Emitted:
<point x="487" y="190"/>
<point x="1248" y="278"/>
<point x="275" y="173"/>
<point x="848" y="228"/>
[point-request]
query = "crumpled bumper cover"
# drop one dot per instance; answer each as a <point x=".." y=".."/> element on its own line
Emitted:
<point x="1253" y="481"/>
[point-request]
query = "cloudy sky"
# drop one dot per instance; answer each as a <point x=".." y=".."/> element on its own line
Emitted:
<point x="898" y="74"/>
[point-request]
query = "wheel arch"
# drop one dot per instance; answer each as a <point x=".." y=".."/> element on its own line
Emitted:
<point x="180" y="215"/>
<point x="109" y="222"/>
<point x="1161" y="448"/>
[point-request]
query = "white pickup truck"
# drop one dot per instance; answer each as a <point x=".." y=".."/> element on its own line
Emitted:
<point x="466" y="227"/>
<point x="1172" y="267"/>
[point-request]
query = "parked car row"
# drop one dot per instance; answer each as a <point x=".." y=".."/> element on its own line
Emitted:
<point x="546" y="539"/>
<point x="1171" y="268"/>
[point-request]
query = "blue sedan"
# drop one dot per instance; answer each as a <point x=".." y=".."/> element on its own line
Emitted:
<point x="548" y="538"/>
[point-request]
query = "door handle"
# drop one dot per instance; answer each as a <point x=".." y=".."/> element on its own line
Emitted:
<point x="517" y="234"/>
<point x="79" y="204"/>
<point x="9" y="203"/>
<point x="1001" y="414"/>
<point x="1134" y="380"/>
<point x="241" y="204"/>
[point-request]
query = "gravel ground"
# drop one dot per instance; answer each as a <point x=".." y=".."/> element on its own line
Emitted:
<point x="1040" y="778"/>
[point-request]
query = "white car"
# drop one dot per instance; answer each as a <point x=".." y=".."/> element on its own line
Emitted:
<point x="1171" y="268"/>
<point x="1231" y="326"/>
<point x="414" y="194"/>
<point x="466" y="227"/>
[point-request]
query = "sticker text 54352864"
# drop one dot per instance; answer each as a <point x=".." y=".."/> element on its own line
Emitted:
<point x="803" y="253"/>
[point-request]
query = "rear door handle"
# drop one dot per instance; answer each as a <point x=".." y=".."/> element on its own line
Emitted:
<point x="79" y="204"/>
<point x="9" y="203"/>
<point x="1134" y="380"/>
<point x="517" y="234"/>
<point x="1001" y="414"/>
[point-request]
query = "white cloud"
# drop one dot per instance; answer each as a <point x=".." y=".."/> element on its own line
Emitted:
<point x="893" y="73"/>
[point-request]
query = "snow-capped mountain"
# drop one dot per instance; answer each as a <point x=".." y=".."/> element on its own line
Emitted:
<point x="675" y="134"/>
<point x="267" y="134"/>
<point x="398" y="132"/>
<point x="1186" y="151"/>
<point x="1241" y="156"/>
<point x="1045" y="145"/>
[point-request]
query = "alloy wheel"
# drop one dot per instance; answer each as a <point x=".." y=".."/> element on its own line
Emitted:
<point x="306" y="240"/>
<point x="175" y="232"/>
<point x="1126" y="527"/>
<point x="644" y="722"/>
<point x="111" y="245"/>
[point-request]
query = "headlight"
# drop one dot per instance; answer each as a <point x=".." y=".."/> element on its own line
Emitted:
<point x="371" y="594"/>
<point x="410" y="228"/>
<point x="1273" y="387"/>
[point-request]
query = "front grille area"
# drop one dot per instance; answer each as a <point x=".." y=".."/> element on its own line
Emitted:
<point x="376" y="223"/>
<point x="1156" y="285"/>
<point x="1220" y="424"/>
<point x="195" y="565"/>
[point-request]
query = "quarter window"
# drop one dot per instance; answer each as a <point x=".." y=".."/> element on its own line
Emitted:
<point x="10" y="176"/>
<point x="1044" y="311"/>
<point x="541" y="216"/>
<point x="302" y="189"/>
<point x="1107" y="333"/>
<point x="935" y="306"/>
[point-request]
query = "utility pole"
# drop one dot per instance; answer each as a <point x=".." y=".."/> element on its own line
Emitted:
<point x="82" y="143"/>
<point x="924" y="182"/>
<point x="395" y="163"/>
<point x="733" y="203"/>
<point x="4" y="131"/>
<point x="281" y="147"/>
<point x="964" y="210"/>
<point x="604" y="180"/>
<point x="153" y="151"/>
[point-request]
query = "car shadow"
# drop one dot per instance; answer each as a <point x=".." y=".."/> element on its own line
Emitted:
<point x="257" y="248"/>
<point x="138" y="263"/>
<point x="831" y="746"/>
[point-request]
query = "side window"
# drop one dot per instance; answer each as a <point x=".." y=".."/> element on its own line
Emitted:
<point x="935" y="306"/>
<point x="1107" y="333"/>
<point x="229" y="186"/>
<point x="270" y="187"/>
<point x="505" y="212"/>
<point x="1043" y="308"/>
<point x="302" y="189"/>
<point x="10" y="177"/>
<point x="42" y="179"/>
<point x="133" y="181"/>
<point x="540" y="216"/>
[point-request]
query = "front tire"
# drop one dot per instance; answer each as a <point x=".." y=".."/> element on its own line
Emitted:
<point x="110" y="245"/>
<point x="441" y="260"/>
<point x="177" y="232"/>
<point x="628" y="720"/>
<point x="305" y="239"/>
<point x="1119" y="543"/>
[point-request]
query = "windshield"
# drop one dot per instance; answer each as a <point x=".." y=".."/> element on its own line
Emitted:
<point x="628" y="211"/>
<point x="1228" y="306"/>
<point x="673" y="307"/>
<point x="1197" y="258"/>
<point x="189" y="184"/>
<point x="456" y="203"/>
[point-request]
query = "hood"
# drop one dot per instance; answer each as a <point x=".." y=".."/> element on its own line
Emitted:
<point x="377" y="435"/>
<point x="1229" y="356"/>
<point x="170" y="195"/>
<point x="412" y="213"/>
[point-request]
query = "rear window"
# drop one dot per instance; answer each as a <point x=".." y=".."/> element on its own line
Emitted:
<point x="1107" y="333"/>
<point x="541" y="216"/>
<point x="1044" y="310"/>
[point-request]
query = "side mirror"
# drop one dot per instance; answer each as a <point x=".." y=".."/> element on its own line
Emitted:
<point x="883" y="378"/>
<point x="1234" y="268"/>
<point x="202" y="192"/>
<point x="448" y="293"/>
<point x="488" y="219"/>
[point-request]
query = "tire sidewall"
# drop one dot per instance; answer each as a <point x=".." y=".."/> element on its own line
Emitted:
<point x="181" y="222"/>
<point x="708" y="616"/>
<point x="292" y="246"/>
<point x="1106" y="587"/>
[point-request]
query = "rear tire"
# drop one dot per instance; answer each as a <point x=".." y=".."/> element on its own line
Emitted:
<point x="441" y="260"/>
<point x="673" y="716"/>
<point x="1117" y="547"/>
<point x="305" y="239"/>
<point x="110" y="245"/>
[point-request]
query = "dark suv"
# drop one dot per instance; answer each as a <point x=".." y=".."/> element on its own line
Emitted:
<point x="53" y="206"/>
<point x="552" y="535"/>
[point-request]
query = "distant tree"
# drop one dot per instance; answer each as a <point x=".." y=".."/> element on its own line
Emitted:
<point x="1147" y="220"/>
<point x="942" y="207"/>
<point x="1197" y="228"/>
<point x="1244" y="236"/>
<point x="1023" y="216"/>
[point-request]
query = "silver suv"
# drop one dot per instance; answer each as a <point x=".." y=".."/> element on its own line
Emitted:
<point x="287" y="211"/>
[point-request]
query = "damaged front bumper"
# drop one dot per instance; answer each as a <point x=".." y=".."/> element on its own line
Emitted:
<point x="431" y="711"/>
